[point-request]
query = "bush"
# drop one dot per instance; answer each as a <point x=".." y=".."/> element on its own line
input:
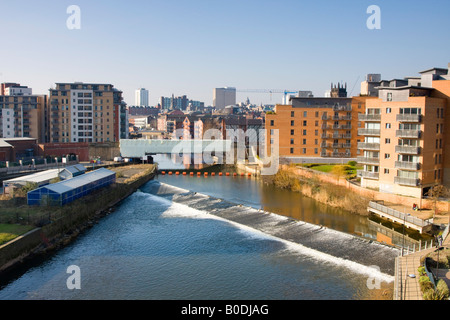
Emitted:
<point x="442" y="288"/>
<point x="431" y="294"/>
<point x="352" y="163"/>
<point x="425" y="284"/>
<point x="421" y="271"/>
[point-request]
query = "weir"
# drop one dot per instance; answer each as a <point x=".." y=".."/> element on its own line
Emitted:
<point x="342" y="246"/>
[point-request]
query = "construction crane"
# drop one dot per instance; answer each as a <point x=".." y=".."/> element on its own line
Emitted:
<point x="271" y="91"/>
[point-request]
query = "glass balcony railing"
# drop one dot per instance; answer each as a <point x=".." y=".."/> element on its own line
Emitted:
<point x="408" y="149"/>
<point x="368" y="174"/>
<point x="409" y="117"/>
<point x="368" y="146"/>
<point x="412" y="182"/>
<point x="368" y="132"/>
<point x="369" y="117"/>
<point x="407" y="165"/>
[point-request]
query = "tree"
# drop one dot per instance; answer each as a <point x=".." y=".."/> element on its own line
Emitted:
<point x="435" y="193"/>
<point x="339" y="171"/>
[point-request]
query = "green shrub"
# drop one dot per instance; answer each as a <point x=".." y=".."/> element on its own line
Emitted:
<point x="442" y="288"/>
<point x="431" y="294"/>
<point x="352" y="163"/>
<point x="421" y="271"/>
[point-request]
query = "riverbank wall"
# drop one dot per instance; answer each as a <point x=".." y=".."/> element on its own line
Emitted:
<point x="78" y="217"/>
<point x="340" y="192"/>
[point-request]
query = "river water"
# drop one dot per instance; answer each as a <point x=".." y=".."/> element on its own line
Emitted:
<point x="208" y="238"/>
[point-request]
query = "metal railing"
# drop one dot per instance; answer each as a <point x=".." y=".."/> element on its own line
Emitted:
<point x="399" y="215"/>
<point x="408" y="149"/>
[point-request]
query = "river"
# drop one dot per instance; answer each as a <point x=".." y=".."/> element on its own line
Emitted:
<point x="209" y="238"/>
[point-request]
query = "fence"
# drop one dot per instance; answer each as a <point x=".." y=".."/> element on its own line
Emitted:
<point x="398" y="214"/>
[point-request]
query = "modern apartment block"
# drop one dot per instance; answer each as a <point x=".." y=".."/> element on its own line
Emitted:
<point x="406" y="146"/>
<point x="86" y="112"/>
<point x="141" y="97"/>
<point x="316" y="127"/>
<point x="22" y="114"/>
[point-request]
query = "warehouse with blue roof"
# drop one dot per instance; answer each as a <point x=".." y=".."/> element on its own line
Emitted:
<point x="66" y="191"/>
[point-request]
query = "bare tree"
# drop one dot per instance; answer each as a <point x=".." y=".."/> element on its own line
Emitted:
<point x="435" y="193"/>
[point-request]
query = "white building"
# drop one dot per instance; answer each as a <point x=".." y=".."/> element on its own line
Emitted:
<point x="141" y="97"/>
<point x="223" y="97"/>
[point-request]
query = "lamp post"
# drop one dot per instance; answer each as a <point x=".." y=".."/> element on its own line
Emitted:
<point x="404" y="222"/>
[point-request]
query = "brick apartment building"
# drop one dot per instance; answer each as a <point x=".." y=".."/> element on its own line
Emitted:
<point x="317" y="127"/>
<point x="22" y="114"/>
<point x="86" y="112"/>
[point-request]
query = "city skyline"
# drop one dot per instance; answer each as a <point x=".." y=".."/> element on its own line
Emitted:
<point x="193" y="47"/>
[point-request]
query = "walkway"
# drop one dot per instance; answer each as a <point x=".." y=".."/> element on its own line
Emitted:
<point x="407" y="287"/>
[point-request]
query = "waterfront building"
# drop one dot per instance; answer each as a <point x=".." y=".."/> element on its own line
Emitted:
<point x="141" y="97"/>
<point x="317" y="127"/>
<point x="405" y="149"/>
<point x="87" y="112"/>
<point x="66" y="191"/>
<point x="223" y="97"/>
<point x="22" y="114"/>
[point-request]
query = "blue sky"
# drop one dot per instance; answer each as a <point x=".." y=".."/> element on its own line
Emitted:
<point x="190" y="47"/>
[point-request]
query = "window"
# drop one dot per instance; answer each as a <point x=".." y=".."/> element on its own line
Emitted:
<point x="305" y="114"/>
<point x="292" y="132"/>
<point x="292" y="113"/>
<point x="316" y="123"/>
<point x="316" y="151"/>
<point x="316" y="141"/>
<point x="388" y="110"/>
<point x="316" y="132"/>
<point x="317" y="114"/>
<point x="304" y="141"/>
<point x="387" y="155"/>
<point x="387" y="141"/>
<point x="304" y="132"/>
<point x="272" y="122"/>
<point x="292" y="150"/>
<point x="388" y="125"/>
<point x="304" y="122"/>
<point x="389" y="96"/>
<point x="292" y="141"/>
<point x="292" y="122"/>
<point x="304" y="150"/>
<point x="386" y="171"/>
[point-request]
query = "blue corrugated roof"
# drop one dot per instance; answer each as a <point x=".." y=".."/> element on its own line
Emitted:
<point x="79" y="181"/>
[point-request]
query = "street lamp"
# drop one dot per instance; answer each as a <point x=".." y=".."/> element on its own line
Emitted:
<point x="404" y="222"/>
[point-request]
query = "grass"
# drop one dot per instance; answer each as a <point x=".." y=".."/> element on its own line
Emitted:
<point x="328" y="168"/>
<point x="9" y="232"/>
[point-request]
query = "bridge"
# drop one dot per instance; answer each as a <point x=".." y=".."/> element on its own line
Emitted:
<point x="139" y="148"/>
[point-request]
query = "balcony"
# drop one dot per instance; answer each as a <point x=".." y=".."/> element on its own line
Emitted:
<point x="326" y="127"/>
<point x="416" y="134"/>
<point x="408" y="149"/>
<point x="368" y="160"/>
<point x="412" y="182"/>
<point x="368" y="132"/>
<point x="342" y="108"/>
<point x="368" y="174"/>
<point x="342" y="126"/>
<point x="409" y="117"/>
<point x="342" y="118"/>
<point x="369" y="117"/>
<point x="369" y="146"/>
<point x="326" y="136"/>
<point x="326" y="117"/>
<point x="407" y="165"/>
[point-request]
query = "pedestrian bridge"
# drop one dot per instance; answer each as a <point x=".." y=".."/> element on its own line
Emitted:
<point x="137" y="148"/>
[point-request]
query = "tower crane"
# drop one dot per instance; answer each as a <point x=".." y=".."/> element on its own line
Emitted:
<point x="271" y="91"/>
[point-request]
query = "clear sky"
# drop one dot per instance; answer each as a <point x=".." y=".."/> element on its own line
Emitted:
<point x="192" y="46"/>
